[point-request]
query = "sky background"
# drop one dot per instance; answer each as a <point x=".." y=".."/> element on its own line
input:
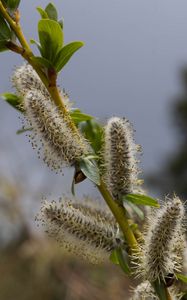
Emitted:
<point x="129" y="67"/>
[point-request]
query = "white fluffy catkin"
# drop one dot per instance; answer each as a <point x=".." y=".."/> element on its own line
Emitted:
<point x="145" y="291"/>
<point x="79" y="229"/>
<point x="160" y="256"/>
<point x="25" y="79"/>
<point x="51" y="132"/>
<point x="119" y="154"/>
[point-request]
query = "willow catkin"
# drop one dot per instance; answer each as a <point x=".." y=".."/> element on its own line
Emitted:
<point x="119" y="155"/>
<point x="145" y="291"/>
<point x="25" y="79"/>
<point x="80" y="230"/>
<point x="160" y="256"/>
<point x="51" y="132"/>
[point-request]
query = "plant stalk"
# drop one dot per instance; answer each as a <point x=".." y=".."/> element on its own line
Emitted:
<point x="120" y="215"/>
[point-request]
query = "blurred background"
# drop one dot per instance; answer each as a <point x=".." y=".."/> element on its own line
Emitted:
<point x="134" y="65"/>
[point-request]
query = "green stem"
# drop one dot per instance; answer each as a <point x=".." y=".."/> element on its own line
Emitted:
<point x="120" y="215"/>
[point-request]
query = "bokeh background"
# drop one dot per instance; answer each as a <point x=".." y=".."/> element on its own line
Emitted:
<point x="134" y="65"/>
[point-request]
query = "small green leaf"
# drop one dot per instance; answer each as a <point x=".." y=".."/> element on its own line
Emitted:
<point x="90" y="169"/>
<point x="51" y="12"/>
<point x="51" y="38"/>
<point x="141" y="200"/>
<point x="93" y="132"/>
<point x="120" y="257"/>
<point x="78" y="116"/>
<point x="5" y="34"/>
<point x="3" y="46"/>
<point x="13" y="100"/>
<point x="42" y="12"/>
<point x="42" y="61"/>
<point x="66" y="53"/>
<point x="114" y="257"/>
<point x="160" y="289"/>
<point x="182" y="277"/>
<point x="11" y="4"/>
<point x="22" y="130"/>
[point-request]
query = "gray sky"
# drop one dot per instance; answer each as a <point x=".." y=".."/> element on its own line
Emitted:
<point x="128" y="67"/>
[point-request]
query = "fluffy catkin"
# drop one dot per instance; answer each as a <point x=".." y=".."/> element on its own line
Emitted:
<point x="80" y="230"/>
<point x="161" y="257"/>
<point x="119" y="155"/>
<point x="51" y="132"/>
<point x="25" y="79"/>
<point x="145" y="291"/>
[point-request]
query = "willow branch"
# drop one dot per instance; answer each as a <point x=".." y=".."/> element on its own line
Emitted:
<point x="50" y="83"/>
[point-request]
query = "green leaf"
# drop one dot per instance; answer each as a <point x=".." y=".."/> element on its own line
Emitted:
<point x="141" y="200"/>
<point x="13" y="100"/>
<point x="11" y="4"/>
<point x="78" y="116"/>
<point x="160" y="289"/>
<point x="42" y="12"/>
<point x="114" y="257"/>
<point x="51" y="38"/>
<point x="120" y="257"/>
<point x="182" y="277"/>
<point x="66" y="53"/>
<point x="90" y="169"/>
<point x="51" y="12"/>
<point x="3" y="46"/>
<point x="42" y="61"/>
<point x="5" y="34"/>
<point x="93" y="132"/>
<point x="22" y="130"/>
